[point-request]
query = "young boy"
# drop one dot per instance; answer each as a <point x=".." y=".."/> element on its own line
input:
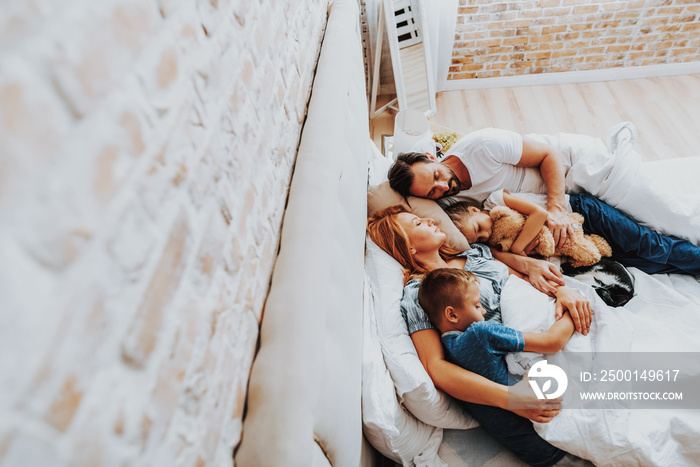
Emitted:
<point x="632" y="244"/>
<point x="451" y="299"/>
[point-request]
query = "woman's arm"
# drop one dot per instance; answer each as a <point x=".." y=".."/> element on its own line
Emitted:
<point x="536" y="217"/>
<point x="468" y="386"/>
<point x="547" y="278"/>
<point x="543" y="276"/>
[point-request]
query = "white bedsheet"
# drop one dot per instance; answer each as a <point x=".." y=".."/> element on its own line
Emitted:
<point x="664" y="316"/>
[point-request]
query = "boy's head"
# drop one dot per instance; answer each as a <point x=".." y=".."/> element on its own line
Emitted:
<point x="451" y="299"/>
<point x="474" y="223"/>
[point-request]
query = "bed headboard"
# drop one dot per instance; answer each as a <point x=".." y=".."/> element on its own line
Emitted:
<point x="303" y="405"/>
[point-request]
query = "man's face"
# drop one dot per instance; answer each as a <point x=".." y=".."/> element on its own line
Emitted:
<point x="433" y="180"/>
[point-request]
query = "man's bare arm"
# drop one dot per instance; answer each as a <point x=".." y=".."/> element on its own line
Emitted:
<point x="548" y="159"/>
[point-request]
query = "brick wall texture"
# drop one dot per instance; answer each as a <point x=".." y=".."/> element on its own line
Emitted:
<point x="494" y="39"/>
<point x="146" y="151"/>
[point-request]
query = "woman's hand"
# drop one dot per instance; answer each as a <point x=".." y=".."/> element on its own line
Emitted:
<point x="544" y="276"/>
<point x="578" y="306"/>
<point x="526" y="404"/>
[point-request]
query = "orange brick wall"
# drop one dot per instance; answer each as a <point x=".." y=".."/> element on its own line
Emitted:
<point x="494" y="39"/>
<point x="146" y="151"/>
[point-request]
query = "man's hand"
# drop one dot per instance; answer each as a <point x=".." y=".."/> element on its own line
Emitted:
<point x="578" y="306"/>
<point x="544" y="276"/>
<point x="526" y="404"/>
<point x="549" y="160"/>
<point x="559" y="223"/>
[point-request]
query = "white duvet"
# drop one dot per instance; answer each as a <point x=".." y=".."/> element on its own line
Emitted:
<point x="662" y="195"/>
<point x="664" y="316"/>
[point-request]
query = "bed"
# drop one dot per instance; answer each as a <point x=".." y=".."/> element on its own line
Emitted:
<point x="658" y="328"/>
<point x="336" y="380"/>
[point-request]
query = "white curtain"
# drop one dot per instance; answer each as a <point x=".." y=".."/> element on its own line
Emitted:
<point x="442" y="19"/>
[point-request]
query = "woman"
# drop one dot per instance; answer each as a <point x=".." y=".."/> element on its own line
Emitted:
<point x="419" y="246"/>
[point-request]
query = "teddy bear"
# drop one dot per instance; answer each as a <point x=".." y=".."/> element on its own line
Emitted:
<point x="582" y="250"/>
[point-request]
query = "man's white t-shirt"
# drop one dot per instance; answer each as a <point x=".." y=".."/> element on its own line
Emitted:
<point x="490" y="155"/>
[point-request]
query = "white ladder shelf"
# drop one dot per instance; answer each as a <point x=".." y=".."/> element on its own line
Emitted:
<point x="410" y="57"/>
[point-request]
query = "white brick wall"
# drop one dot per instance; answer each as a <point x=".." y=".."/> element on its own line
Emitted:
<point x="146" y="149"/>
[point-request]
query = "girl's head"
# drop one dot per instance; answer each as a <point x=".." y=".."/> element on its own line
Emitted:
<point x="407" y="237"/>
<point x="474" y="223"/>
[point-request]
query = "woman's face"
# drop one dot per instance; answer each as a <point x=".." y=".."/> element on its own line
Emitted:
<point x="423" y="234"/>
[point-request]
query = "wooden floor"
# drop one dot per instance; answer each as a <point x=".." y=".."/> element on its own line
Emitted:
<point x="666" y="112"/>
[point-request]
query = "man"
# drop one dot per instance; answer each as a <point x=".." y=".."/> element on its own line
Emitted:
<point x="485" y="161"/>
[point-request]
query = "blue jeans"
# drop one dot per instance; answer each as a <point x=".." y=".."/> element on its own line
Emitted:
<point x="635" y="245"/>
<point x="516" y="433"/>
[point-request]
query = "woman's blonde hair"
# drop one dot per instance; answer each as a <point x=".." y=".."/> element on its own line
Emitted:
<point x="386" y="232"/>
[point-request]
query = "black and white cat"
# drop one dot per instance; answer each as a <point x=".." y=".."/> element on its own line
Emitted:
<point x="611" y="280"/>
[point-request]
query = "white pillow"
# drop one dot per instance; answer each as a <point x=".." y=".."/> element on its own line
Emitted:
<point x="378" y="166"/>
<point x="527" y="309"/>
<point x="387" y="426"/>
<point x="413" y="385"/>
<point x="380" y="196"/>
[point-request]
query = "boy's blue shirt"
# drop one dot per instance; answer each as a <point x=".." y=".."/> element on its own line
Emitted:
<point x="482" y="348"/>
<point x="492" y="275"/>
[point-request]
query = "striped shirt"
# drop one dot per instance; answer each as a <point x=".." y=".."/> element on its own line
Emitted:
<point x="492" y="277"/>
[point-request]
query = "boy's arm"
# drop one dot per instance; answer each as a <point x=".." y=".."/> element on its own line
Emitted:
<point x="551" y="168"/>
<point x="468" y="386"/>
<point x="537" y="216"/>
<point x="553" y="340"/>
